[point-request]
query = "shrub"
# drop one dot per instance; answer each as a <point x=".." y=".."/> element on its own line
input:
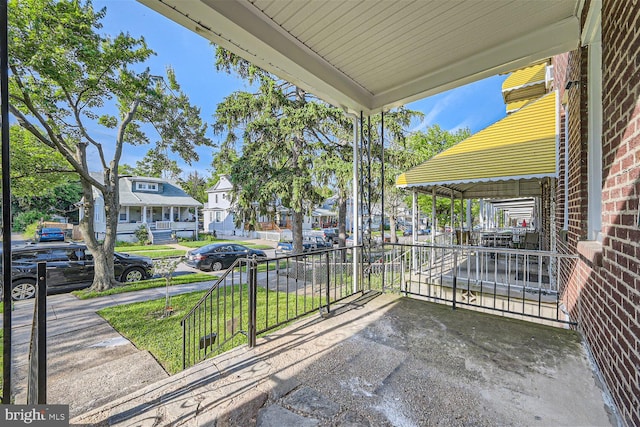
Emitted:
<point x="142" y="234"/>
<point x="25" y="219"/>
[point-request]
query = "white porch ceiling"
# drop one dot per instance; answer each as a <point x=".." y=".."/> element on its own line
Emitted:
<point x="371" y="55"/>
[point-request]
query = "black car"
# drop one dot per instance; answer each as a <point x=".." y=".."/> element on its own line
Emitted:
<point x="69" y="266"/>
<point x="218" y="256"/>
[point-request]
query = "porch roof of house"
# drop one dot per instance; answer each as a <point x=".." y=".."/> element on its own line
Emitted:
<point x="375" y="55"/>
<point x="506" y="159"/>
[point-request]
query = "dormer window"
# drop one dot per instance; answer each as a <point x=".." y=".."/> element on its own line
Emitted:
<point x="148" y="186"/>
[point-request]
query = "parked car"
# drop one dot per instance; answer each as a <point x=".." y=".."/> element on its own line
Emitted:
<point x="332" y="234"/>
<point x="421" y="231"/>
<point x="49" y="235"/>
<point x="218" y="256"/>
<point x="69" y="266"/>
<point x="309" y="244"/>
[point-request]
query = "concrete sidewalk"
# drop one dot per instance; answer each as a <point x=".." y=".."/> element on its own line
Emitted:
<point x="380" y="360"/>
<point x="89" y="363"/>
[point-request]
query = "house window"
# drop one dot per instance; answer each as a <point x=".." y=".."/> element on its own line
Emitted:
<point x="216" y="198"/>
<point x="218" y="216"/>
<point x="149" y="186"/>
<point x="122" y="217"/>
<point x="224" y="196"/>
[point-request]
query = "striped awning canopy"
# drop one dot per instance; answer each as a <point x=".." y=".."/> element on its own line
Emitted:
<point x="510" y="158"/>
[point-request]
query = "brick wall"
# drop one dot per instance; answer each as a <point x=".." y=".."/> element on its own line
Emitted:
<point x="605" y="297"/>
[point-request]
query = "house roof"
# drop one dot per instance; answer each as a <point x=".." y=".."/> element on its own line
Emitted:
<point x="219" y="185"/>
<point x="377" y="54"/>
<point x="520" y="148"/>
<point x="172" y="194"/>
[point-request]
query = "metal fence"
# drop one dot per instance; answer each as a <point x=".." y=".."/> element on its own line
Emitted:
<point x="256" y="296"/>
<point x="37" y="378"/>
<point x="525" y="283"/>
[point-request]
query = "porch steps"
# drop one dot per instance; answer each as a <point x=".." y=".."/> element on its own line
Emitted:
<point x="162" y="237"/>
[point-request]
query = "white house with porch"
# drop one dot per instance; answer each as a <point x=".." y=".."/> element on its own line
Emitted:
<point x="155" y="203"/>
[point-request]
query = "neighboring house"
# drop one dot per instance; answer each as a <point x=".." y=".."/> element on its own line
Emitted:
<point x="218" y="214"/>
<point x="158" y="204"/>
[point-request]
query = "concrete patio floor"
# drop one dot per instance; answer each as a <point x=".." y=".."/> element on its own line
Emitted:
<point x="381" y="360"/>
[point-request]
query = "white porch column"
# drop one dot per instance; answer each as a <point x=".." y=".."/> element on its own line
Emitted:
<point x="144" y="214"/>
<point x="196" y="232"/>
<point x="127" y="213"/>
<point x="469" y="215"/>
<point x="434" y="219"/>
<point x="414" y="217"/>
<point x="356" y="209"/>
<point x="171" y="214"/>
<point x="453" y="225"/>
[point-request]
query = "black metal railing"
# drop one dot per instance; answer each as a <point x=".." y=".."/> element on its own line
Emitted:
<point x="525" y="283"/>
<point x="37" y="379"/>
<point x="256" y="296"/>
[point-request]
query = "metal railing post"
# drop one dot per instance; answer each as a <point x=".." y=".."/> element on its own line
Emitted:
<point x="37" y="380"/>
<point x="253" y="288"/>
<point x="455" y="278"/>
<point x="328" y="281"/>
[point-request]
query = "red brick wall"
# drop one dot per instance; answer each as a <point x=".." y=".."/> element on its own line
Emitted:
<point x="605" y="300"/>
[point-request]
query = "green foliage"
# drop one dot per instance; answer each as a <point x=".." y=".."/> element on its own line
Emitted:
<point x="196" y="186"/>
<point x="29" y="155"/>
<point x="156" y="163"/>
<point x="282" y="129"/>
<point x="30" y="231"/>
<point x="26" y="221"/>
<point x="142" y="234"/>
<point x="64" y="75"/>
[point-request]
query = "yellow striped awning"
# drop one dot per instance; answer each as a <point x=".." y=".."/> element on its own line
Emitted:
<point x="527" y="76"/>
<point x="520" y="146"/>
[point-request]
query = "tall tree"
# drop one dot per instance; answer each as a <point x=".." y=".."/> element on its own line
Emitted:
<point x="196" y="186"/>
<point x="29" y="155"/>
<point x="65" y="75"/>
<point x="156" y="163"/>
<point x="280" y="127"/>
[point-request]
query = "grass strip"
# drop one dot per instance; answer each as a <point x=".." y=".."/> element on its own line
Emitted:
<point x="144" y="325"/>
<point x="145" y="284"/>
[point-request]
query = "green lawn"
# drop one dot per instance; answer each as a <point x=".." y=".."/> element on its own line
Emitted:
<point x="142" y="323"/>
<point x="145" y="284"/>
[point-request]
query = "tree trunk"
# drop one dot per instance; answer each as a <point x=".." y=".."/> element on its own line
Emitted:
<point x="102" y="251"/>
<point x="392" y="229"/>
<point x="296" y="230"/>
<point x="342" y="221"/>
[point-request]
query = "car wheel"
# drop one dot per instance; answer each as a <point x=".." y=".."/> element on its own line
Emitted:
<point x="216" y="266"/>
<point x="23" y="289"/>
<point x="132" y="275"/>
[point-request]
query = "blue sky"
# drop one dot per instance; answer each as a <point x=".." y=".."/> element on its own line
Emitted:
<point x="474" y="106"/>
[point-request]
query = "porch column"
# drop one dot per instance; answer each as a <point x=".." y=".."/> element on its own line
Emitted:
<point x="434" y="220"/>
<point x="144" y="214"/>
<point x="196" y="232"/>
<point x="171" y="214"/>
<point x="468" y="215"/>
<point x="356" y="210"/>
<point x="453" y="224"/>
<point x="127" y="213"/>
<point x="414" y="216"/>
